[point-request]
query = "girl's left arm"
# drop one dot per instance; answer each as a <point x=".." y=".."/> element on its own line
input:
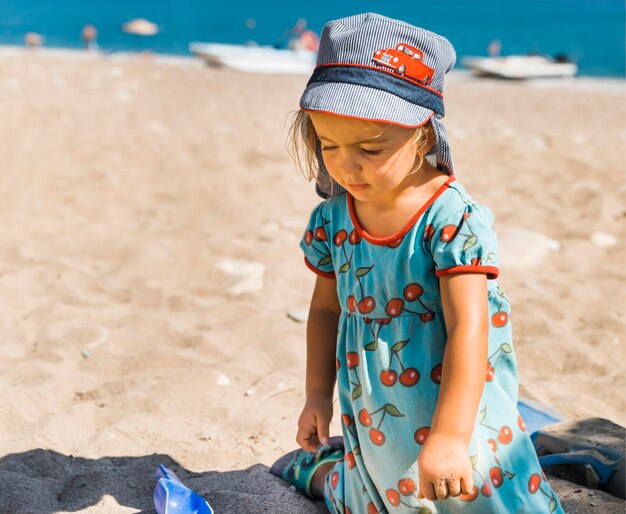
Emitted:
<point x="444" y="466"/>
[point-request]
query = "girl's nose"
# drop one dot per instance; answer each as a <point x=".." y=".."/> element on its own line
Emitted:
<point x="350" y="162"/>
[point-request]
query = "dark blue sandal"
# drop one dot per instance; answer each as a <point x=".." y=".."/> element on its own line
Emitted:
<point x="298" y="467"/>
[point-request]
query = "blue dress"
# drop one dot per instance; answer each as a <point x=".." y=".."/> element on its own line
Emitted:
<point x="390" y="346"/>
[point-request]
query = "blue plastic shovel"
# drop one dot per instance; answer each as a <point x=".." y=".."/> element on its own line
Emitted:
<point x="604" y="466"/>
<point x="171" y="496"/>
<point x="536" y="415"/>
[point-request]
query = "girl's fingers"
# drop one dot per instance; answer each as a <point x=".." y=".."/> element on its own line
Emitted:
<point x="441" y="488"/>
<point x="314" y="442"/>
<point x="467" y="485"/>
<point x="322" y="431"/>
<point x="427" y="491"/>
<point x="307" y="439"/>
<point x="454" y="486"/>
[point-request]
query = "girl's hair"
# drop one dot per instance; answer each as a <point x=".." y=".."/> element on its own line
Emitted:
<point x="304" y="147"/>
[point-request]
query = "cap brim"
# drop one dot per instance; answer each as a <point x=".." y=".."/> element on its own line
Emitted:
<point x="362" y="102"/>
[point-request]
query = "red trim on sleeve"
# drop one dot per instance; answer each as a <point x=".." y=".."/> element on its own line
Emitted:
<point x="491" y="271"/>
<point x="319" y="272"/>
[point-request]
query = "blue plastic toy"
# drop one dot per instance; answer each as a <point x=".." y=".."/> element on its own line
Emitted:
<point x="536" y="416"/>
<point x="171" y="496"/>
<point x="604" y="466"/>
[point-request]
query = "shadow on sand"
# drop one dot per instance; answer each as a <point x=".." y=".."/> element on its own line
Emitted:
<point x="47" y="482"/>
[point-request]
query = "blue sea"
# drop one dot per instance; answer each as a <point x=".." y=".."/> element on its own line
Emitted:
<point x="591" y="32"/>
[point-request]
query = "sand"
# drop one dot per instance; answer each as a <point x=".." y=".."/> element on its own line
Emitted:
<point x="151" y="219"/>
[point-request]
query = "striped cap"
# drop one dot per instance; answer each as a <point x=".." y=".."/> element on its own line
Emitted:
<point x="376" y="68"/>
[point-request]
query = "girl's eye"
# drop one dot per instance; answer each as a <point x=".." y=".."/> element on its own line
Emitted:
<point x="370" y="152"/>
<point x="328" y="148"/>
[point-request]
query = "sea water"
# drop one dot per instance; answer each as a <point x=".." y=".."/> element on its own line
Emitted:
<point x="591" y="32"/>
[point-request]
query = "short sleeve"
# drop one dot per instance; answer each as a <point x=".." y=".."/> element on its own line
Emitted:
<point x="464" y="241"/>
<point x="315" y="245"/>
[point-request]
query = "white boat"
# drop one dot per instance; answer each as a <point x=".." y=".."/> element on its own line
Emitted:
<point x="255" y="59"/>
<point x="520" y="66"/>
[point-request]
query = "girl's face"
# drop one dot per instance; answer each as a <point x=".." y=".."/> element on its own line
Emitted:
<point x="370" y="160"/>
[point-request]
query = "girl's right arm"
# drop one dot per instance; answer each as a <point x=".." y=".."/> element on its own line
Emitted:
<point x="313" y="425"/>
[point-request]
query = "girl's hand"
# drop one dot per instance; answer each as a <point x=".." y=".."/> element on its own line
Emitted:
<point x="314" y="422"/>
<point x="444" y="468"/>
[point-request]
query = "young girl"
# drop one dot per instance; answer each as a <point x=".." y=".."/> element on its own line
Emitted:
<point x="406" y="314"/>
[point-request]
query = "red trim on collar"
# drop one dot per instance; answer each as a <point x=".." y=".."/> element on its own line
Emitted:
<point x="398" y="235"/>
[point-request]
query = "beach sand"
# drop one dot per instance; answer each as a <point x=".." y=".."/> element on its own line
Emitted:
<point x="149" y="258"/>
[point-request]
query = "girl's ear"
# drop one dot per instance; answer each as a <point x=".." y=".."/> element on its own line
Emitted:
<point x="425" y="140"/>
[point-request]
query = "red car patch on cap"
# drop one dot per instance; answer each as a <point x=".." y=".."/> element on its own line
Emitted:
<point x="407" y="61"/>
